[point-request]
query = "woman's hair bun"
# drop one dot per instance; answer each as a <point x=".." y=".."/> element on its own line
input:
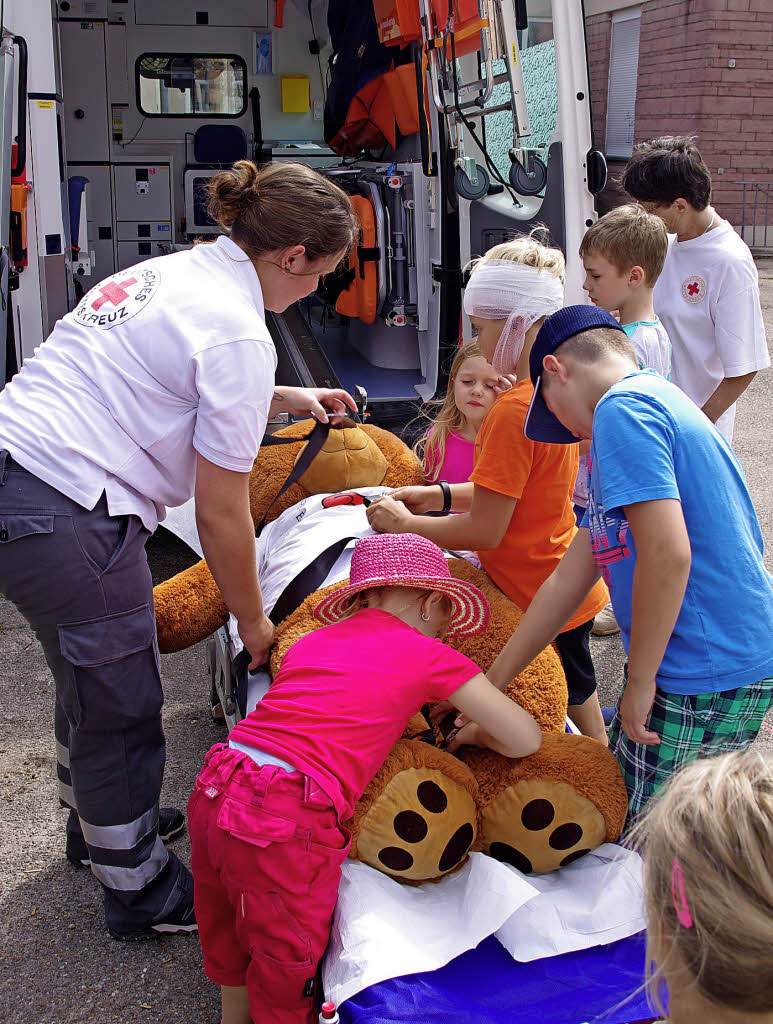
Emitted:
<point x="232" y="191"/>
<point x="279" y="205"/>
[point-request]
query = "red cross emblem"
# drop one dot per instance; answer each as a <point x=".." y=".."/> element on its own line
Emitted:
<point x="693" y="289"/>
<point x="113" y="292"/>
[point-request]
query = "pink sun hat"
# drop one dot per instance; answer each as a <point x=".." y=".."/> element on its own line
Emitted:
<point x="407" y="560"/>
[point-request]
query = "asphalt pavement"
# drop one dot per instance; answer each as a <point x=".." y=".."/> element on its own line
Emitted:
<point x="57" y="963"/>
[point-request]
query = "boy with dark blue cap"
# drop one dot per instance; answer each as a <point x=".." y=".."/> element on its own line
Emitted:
<point x="671" y="528"/>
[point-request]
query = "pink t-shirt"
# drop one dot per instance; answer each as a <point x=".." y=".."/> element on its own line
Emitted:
<point x="343" y="696"/>
<point x="457" y="465"/>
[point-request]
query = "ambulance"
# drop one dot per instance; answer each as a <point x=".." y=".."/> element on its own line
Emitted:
<point x="453" y="124"/>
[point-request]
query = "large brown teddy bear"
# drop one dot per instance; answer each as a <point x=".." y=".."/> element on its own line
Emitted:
<point x="426" y="809"/>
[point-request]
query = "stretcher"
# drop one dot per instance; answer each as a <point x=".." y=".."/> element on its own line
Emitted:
<point x="601" y="985"/>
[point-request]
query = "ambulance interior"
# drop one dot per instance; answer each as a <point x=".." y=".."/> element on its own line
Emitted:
<point x="452" y="125"/>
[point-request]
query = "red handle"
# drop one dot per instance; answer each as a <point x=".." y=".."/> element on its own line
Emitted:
<point x="279" y="17"/>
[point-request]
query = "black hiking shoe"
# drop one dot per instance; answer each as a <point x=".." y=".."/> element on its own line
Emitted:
<point x="181" y="918"/>
<point x="171" y="824"/>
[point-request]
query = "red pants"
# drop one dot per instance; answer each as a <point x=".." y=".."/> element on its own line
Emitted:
<point x="266" y="855"/>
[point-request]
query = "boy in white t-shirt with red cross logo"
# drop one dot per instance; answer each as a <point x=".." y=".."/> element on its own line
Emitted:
<point x="708" y="294"/>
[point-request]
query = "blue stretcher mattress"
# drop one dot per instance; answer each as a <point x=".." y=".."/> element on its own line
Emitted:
<point x="485" y="985"/>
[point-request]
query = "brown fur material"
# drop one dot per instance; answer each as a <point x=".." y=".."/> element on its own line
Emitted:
<point x="189" y="607"/>
<point x="403" y="468"/>
<point x="349" y="457"/>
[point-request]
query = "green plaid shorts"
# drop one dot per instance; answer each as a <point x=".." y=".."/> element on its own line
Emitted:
<point x="689" y="726"/>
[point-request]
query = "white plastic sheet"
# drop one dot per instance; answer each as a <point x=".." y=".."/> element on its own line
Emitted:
<point x="594" y="901"/>
<point x="385" y="930"/>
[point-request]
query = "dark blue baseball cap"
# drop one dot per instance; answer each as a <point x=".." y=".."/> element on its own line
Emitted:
<point x="541" y="424"/>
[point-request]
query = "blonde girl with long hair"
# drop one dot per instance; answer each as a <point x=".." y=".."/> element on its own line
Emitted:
<point x="447" y="446"/>
<point x="516" y="512"/>
<point x="707" y="844"/>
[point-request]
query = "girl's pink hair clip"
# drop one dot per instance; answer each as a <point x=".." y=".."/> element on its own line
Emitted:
<point x="683" y="915"/>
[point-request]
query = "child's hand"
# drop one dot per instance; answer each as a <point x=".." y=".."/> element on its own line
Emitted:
<point x="389" y="516"/>
<point x="419" y="499"/>
<point x="439" y="711"/>
<point x="635" y="706"/>
<point x="468" y="735"/>
<point x="505" y="381"/>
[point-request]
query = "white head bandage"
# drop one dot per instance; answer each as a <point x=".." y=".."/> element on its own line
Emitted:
<point x="505" y="290"/>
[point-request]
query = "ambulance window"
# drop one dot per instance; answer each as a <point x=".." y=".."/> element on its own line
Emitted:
<point x="191" y="85"/>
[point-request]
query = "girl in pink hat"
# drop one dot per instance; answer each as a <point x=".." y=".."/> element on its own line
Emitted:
<point x="265" y="817"/>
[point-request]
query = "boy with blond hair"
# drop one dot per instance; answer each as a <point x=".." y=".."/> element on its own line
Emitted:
<point x="623" y="254"/>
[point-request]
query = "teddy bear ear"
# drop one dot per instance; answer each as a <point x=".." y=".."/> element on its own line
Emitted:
<point x="418" y="819"/>
<point x="545" y="811"/>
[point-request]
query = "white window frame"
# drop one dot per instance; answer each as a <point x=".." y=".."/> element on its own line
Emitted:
<point x="621" y="102"/>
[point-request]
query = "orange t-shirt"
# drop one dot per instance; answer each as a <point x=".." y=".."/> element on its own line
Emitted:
<point x="540" y="477"/>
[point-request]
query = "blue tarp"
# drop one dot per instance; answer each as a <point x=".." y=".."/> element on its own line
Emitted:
<point x="485" y="985"/>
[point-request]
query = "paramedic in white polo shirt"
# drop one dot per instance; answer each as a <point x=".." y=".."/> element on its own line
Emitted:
<point x="708" y="293"/>
<point x="157" y="386"/>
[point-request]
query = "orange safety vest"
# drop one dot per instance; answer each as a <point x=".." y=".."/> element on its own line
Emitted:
<point x="360" y="300"/>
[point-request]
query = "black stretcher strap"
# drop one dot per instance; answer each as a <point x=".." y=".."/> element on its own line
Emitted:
<point x="307" y="581"/>
<point x="316" y="439"/>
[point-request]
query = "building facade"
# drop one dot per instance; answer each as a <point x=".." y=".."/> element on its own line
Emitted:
<point x="697" y="67"/>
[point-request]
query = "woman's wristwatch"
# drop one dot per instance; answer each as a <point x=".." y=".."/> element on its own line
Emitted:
<point x="445" y="487"/>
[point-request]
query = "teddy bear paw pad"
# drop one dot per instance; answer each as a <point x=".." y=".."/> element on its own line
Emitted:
<point x="421" y="826"/>
<point x="539" y="825"/>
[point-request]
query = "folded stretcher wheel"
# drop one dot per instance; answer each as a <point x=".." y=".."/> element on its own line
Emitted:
<point x="472" y="189"/>
<point x="528" y="181"/>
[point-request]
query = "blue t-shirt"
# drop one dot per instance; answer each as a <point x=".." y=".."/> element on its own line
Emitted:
<point x="650" y="441"/>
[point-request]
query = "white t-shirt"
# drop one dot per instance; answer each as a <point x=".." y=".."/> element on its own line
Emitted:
<point x="708" y="298"/>
<point x="163" y="360"/>
<point x="651" y="345"/>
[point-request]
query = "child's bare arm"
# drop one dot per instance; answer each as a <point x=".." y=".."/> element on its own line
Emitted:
<point x="495" y="720"/>
<point x="663" y="559"/>
<point x="480" y="529"/>
<point x="555" y="602"/>
<point x="421" y="498"/>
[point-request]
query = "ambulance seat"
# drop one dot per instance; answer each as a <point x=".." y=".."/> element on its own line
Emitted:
<point x="215" y="147"/>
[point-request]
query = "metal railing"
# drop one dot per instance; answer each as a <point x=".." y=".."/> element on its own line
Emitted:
<point x="756" y="208"/>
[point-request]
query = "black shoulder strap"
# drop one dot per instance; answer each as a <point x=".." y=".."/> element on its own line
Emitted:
<point x="316" y="440"/>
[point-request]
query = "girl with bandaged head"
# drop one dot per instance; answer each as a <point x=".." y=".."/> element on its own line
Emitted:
<point x="516" y="510"/>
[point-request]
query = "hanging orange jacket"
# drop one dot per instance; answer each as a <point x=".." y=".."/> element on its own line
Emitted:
<point x="370" y="121"/>
<point x="360" y="300"/>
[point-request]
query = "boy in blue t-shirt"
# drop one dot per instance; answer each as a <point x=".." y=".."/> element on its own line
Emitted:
<point x="671" y="528"/>
<point x="623" y="254"/>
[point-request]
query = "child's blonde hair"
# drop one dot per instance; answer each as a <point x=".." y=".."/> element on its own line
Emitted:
<point x="628" y="237"/>
<point x="525" y="249"/>
<point x="363" y="599"/>
<point x="707" y="843"/>
<point x="430" y="449"/>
